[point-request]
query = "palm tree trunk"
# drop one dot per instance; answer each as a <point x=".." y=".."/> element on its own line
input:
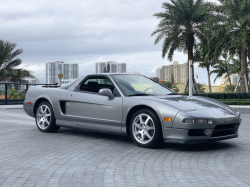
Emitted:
<point x="230" y="82"/>
<point x="209" y="81"/>
<point x="190" y="57"/>
<point x="243" y="68"/>
<point x="248" y="54"/>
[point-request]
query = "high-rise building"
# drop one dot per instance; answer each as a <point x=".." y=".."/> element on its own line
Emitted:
<point x="99" y="67"/>
<point x="158" y="73"/>
<point x="69" y="71"/>
<point x="114" y="66"/>
<point x="121" y="68"/>
<point x="178" y="71"/>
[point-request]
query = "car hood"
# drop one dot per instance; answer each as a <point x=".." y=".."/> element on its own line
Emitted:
<point x="208" y="105"/>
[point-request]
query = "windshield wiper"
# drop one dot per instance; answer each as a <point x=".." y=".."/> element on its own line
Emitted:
<point x="140" y="94"/>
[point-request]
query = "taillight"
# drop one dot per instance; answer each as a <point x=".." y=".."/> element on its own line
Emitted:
<point x="28" y="102"/>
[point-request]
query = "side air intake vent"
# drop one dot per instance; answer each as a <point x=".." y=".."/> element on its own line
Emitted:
<point x="63" y="106"/>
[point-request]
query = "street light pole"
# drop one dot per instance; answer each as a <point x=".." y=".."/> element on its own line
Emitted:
<point x="190" y="78"/>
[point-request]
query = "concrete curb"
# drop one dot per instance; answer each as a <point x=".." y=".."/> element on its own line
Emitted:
<point x="11" y="107"/>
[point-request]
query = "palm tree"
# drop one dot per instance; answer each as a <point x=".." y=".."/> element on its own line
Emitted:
<point x="228" y="88"/>
<point x="233" y="31"/>
<point x="9" y="62"/>
<point x="201" y="56"/>
<point x="180" y="26"/>
<point x="221" y="68"/>
<point x="170" y="85"/>
<point x="201" y="87"/>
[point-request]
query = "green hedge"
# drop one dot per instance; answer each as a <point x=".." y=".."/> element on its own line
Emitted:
<point x="236" y="102"/>
<point x="225" y="95"/>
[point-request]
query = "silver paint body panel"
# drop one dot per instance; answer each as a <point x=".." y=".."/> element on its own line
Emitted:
<point x="94" y="111"/>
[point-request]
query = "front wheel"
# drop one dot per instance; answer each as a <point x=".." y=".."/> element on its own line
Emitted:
<point x="145" y="128"/>
<point x="45" y="119"/>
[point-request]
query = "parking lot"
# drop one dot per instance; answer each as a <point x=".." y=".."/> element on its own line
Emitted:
<point x="80" y="158"/>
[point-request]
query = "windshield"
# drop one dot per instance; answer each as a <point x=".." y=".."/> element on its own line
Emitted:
<point x="139" y="85"/>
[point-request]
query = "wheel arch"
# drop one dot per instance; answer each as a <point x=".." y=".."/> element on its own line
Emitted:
<point x="38" y="101"/>
<point x="133" y="110"/>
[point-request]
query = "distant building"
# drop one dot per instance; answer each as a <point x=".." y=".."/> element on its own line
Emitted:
<point x="158" y="73"/>
<point x="99" y="67"/>
<point x="135" y="72"/>
<point x="69" y="71"/>
<point x="121" y="68"/>
<point x="234" y="79"/>
<point x="115" y="67"/>
<point x="30" y="81"/>
<point x="178" y="71"/>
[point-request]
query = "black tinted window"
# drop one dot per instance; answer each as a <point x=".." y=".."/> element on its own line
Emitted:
<point x="94" y="84"/>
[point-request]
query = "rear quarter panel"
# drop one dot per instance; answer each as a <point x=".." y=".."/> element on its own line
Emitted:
<point x="53" y="95"/>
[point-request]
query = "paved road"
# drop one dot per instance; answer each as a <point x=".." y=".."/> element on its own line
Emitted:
<point x="77" y="158"/>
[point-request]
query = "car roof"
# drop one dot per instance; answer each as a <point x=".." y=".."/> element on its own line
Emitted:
<point x="113" y="74"/>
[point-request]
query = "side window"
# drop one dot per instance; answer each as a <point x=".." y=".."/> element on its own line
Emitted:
<point x="94" y="84"/>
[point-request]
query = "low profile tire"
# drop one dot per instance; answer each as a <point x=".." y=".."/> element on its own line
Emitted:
<point x="45" y="119"/>
<point x="145" y="129"/>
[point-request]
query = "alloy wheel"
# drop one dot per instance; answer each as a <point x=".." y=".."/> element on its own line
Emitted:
<point x="143" y="128"/>
<point x="43" y="117"/>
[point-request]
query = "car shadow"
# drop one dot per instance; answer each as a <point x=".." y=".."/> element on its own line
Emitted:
<point x="211" y="146"/>
<point x="119" y="137"/>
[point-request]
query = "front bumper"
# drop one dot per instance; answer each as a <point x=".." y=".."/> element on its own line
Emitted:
<point x="201" y="134"/>
<point x="183" y="138"/>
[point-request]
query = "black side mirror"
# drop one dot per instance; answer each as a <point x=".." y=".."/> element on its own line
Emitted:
<point x="106" y="92"/>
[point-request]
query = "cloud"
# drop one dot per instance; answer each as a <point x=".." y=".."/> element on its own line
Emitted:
<point x="85" y="32"/>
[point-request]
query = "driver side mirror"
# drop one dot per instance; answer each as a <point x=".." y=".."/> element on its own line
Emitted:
<point x="106" y="92"/>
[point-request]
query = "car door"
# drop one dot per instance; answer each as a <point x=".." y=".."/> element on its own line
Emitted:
<point x="89" y="109"/>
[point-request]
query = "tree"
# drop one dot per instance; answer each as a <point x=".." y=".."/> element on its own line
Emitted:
<point x="201" y="87"/>
<point x="221" y="68"/>
<point x="170" y="85"/>
<point x="9" y="62"/>
<point x="204" y="61"/>
<point x="172" y="79"/>
<point x="228" y="88"/>
<point x="15" y="94"/>
<point x="202" y="55"/>
<point x="233" y="31"/>
<point x="105" y="70"/>
<point x="180" y="26"/>
<point x="108" y="68"/>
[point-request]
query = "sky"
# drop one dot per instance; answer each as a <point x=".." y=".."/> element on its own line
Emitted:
<point x="85" y="32"/>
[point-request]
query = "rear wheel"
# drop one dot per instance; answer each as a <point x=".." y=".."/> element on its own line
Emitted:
<point x="145" y="128"/>
<point x="45" y="119"/>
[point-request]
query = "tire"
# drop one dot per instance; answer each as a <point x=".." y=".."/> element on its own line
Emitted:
<point x="145" y="129"/>
<point x="45" y="118"/>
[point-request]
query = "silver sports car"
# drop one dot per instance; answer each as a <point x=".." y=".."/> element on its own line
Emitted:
<point x="134" y="105"/>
